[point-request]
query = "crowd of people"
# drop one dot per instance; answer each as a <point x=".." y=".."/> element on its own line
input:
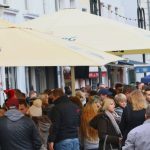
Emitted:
<point x="103" y="119"/>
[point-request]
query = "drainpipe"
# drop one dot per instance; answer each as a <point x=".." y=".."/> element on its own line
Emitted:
<point x="2" y="69"/>
<point x="141" y="23"/>
<point x="148" y="8"/>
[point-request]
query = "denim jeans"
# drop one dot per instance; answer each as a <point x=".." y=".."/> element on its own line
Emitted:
<point x="68" y="144"/>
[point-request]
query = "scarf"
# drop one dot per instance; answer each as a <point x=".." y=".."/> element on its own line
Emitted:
<point x="113" y="121"/>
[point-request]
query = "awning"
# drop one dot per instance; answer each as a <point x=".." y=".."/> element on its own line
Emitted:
<point x="84" y="29"/>
<point x="130" y="62"/>
<point x="142" y="69"/>
<point x="139" y="67"/>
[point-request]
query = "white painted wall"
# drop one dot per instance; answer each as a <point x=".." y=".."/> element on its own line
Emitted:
<point x="18" y="13"/>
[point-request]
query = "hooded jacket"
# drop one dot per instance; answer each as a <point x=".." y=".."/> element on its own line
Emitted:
<point x="18" y="132"/>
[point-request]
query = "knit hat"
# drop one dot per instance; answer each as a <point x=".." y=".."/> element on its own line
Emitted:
<point x="12" y="100"/>
<point x="36" y="109"/>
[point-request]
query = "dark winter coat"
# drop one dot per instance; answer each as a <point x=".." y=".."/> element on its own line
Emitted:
<point x="104" y="126"/>
<point x="18" y="132"/>
<point x="131" y="119"/>
<point x="65" y="117"/>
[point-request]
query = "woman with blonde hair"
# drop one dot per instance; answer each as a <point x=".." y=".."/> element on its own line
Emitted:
<point x="45" y="105"/>
<point x="134" y="113"/>
<point x="121" y="102"/>
<point x="89" y="136"/>
<point x="108" y="129"/>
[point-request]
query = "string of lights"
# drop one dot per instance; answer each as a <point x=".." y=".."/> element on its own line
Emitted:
<point x="121" y="16"/>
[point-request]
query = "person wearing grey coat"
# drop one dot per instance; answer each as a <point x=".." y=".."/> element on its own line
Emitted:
<point x="138" y="138"/>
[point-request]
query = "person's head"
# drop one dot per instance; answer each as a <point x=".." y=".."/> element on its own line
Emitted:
<point x="118" y="88"/>
<point x="36" y="109"/>
<point x="58" y="92"/>
<point x="23" y="107"/>
<point x="108" y="105"/>
<point x="137" y="100"/>
<point x="19" y="94"/>
<point x="127" y="89"/>
<point x="76" y="101"/>
<point x="147" y="94"/>
<point x="81" y="96"/>
<point x="50" y="95"/>
<point x="93" y="92"/>
<point x="44" y="98"/>
<point x="32" y="94"/>
<point x="101" y="86"/>
<point x="67" y="90"/>
<point x="104" y="93"/>
<point x="121" y="100"/>
<point x="140" y="85"/>
<point x="12" y="101"/>
<point x="95" y="99"/>
<point x="147" y="114"/>
<point x="87" y="88"/>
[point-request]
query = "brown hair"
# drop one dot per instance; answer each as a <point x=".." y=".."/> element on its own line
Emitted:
<point x="76" y="101"/>
<point x="58" y="92"/>
<point x="89" y="111"/>
<point x="44" y="98"/>
<point x="23" y="102"/>
<point x="137" y="100"/>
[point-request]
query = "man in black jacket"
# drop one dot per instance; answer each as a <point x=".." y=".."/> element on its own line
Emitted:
<point x="18" y="132"/>
<point x="65" y="117"/>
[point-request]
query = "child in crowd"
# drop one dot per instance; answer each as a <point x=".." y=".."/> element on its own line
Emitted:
<point x="121" y="102"/>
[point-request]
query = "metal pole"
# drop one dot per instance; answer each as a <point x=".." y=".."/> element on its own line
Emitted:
<point x="141" y="24"/>
<point x="100" y="75"/>
<point x="59" y="76"/>
<point x="99" y="5"/>
<point x="148" y="9"/>
<point x="73" y="80"/>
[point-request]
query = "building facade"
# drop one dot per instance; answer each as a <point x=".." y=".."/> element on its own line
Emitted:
<point x="40" y="78"/>
<point x="30" y="78"/>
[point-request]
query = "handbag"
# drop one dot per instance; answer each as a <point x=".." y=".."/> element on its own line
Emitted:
<point x="104" y="145"/>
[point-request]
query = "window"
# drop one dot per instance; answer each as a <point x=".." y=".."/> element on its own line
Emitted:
<point x="102" y="8"/>
<point x="116" y="10"/>
<point x="109" y="11"/>
<point x="26" y="4"/>
<point x="72" y="4"/>
<point x="116" y="13"/>
<point x="44" y="6"/>
<point x="5" y="1"/>
<point x="109" y="8"/>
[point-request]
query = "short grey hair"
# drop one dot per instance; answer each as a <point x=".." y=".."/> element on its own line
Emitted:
<point x="148" y="110"/>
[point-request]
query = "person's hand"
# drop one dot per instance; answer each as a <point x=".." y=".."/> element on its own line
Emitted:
<point x="51" y="146"/>
<point x="120" y="140"/>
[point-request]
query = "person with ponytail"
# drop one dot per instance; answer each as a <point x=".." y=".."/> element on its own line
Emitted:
<point x="108" y="130"/>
